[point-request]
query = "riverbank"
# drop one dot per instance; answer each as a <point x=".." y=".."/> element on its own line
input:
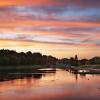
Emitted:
<point x="21" y="68"/>
<point x="87" y="69"/>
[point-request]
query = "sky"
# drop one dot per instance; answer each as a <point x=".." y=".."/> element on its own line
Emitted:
<point x="61" y="28"/>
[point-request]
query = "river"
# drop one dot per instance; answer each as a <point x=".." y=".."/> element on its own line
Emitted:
<point x="47" y="84"/>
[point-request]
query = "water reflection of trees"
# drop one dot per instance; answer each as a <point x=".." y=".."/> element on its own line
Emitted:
<point x="12" y="75"/>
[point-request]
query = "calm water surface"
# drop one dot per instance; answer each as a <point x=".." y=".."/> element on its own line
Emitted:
<point x="49" y="85"/>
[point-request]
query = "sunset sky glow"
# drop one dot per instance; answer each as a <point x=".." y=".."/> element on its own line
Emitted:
<point x="61" y="28"/>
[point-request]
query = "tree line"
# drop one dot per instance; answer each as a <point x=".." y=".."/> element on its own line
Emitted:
<point x="11" y="57"/>
<point x="76" y="62"/>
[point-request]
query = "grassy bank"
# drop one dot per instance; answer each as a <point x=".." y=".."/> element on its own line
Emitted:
<point x="30" y="68"/>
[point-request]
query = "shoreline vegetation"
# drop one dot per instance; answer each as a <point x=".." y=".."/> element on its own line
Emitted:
<point x="12" y="60"/>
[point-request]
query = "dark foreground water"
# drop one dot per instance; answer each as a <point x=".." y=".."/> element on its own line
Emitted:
<point x="49" y="85"/>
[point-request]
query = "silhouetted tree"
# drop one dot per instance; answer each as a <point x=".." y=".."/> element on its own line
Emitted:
<point x="83" y="61"/>
<point x="95" y="60"/>
<point x="76" y="60"/>
<point x="72" y="61"/>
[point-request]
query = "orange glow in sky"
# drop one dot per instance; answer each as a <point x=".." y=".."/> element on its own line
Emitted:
<point x="52" y="27"/>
